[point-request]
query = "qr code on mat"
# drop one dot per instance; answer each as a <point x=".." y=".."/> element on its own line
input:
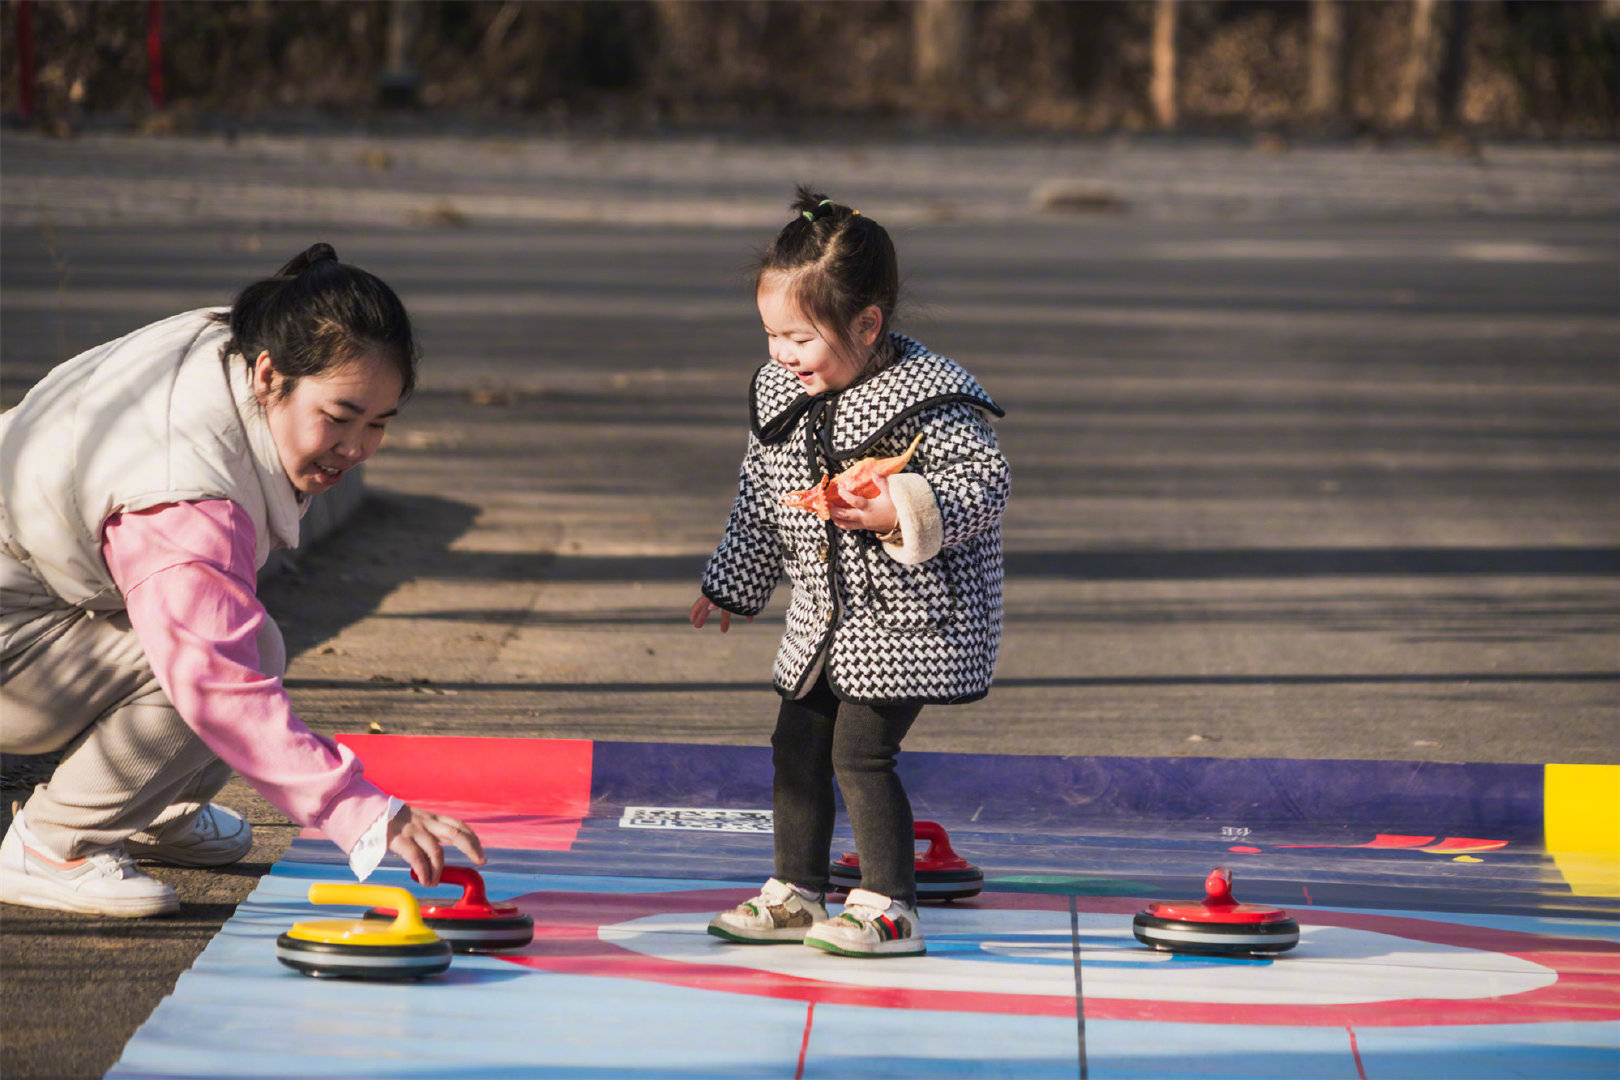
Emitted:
<point x="682" y="817"/>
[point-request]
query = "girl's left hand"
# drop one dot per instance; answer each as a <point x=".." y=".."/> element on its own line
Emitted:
<point x="877" y="513"/>
<point x="704" y="607"/>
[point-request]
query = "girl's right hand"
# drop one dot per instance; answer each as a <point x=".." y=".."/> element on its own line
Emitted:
<point x="705" y="607"/>
<point x="418" y="837"/>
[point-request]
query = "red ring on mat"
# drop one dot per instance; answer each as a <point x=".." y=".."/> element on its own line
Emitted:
<point x="1587" y="987"/>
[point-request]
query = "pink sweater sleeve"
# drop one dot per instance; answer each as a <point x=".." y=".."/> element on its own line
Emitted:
<point x="187" y="574"/>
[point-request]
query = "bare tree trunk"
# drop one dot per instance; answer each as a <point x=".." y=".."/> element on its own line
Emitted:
<point x="1163" y="88"/>
<point x="1453" y="67"/>
<point x="1328" y="87"/>
<point x="1414" y="102"/>
<point x="680" y="28"/>
<point x="400" y="82"/>
<point x="942" y="31"/>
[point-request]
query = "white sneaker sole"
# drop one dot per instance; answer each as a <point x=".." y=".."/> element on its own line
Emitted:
<point x="789" y="936"/>
<point x="16" y="888"/>
<point x="913" y="946"/>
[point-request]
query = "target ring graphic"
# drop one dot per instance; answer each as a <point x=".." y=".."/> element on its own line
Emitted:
<point x="1013" y="953"/>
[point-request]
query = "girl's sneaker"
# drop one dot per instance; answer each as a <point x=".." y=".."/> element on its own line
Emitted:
<point x="779" y="915"/>
<point x="871" y="925"/>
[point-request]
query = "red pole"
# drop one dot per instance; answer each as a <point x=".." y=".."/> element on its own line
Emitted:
<point x="154" y="51"/>
<point x="25" y="59"/>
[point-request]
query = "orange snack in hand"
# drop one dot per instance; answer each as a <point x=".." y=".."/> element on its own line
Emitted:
<point x="859" y="479"/>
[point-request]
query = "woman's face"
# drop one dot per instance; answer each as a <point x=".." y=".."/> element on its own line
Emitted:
<point x="798" y="345"/>
<point x="331" y="422"/>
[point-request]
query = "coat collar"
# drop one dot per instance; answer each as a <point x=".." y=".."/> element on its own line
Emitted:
<point x="916" y="380"/>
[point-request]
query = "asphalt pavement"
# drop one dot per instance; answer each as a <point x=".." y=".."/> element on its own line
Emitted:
<point x="1314" y="452"/>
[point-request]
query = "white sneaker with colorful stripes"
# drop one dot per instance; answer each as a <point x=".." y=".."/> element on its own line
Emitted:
<point x="780" y="915"/>
<point x="103" y="882"/>
<point x="870" y="925"/>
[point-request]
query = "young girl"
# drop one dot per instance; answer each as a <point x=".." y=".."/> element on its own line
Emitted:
<point x="142" y="485"/>
<point x="896" y="599"/>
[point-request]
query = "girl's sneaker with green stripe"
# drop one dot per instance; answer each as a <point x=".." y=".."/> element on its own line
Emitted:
<point x="780" y="915"/>
<point x="870" y="925"/>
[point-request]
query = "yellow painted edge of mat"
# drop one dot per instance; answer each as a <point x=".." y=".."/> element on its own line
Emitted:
<point x="1581" y="821"/>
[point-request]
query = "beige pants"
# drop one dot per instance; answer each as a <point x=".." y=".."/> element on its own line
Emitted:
<point x="131" y="764"/>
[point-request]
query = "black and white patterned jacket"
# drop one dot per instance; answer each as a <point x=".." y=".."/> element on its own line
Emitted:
<point x="918" y="620"/>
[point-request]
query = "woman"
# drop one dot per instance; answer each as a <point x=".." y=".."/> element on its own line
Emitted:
<point x="142" y="485"/>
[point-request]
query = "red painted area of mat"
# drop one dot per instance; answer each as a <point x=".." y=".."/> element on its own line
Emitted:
<point x="566" y="940"/>
<point x="528" y="794"/>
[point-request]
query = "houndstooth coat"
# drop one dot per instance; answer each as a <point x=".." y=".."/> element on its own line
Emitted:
<point x="918" y="620"/>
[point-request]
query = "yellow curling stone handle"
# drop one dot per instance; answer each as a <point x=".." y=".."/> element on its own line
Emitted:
<point x="406" y="929"/>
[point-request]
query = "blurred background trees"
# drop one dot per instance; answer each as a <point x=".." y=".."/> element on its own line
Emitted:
<point x="1503" y="67"/>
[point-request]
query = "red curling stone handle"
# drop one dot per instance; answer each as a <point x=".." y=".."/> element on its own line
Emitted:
<point x="472" y="887"/>
<point x="1217" y="888"/>
<point x="939" y="844"/>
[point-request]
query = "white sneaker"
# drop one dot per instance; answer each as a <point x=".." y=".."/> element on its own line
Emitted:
<point x="779" y="915"/>
<point x="870" y="925"/>
<point x="105" y="882"/>
<point x="215" y="836"/>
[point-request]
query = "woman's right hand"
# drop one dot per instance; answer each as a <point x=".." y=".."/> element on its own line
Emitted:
<point x="418" y="837"/>
<point x="705" y="607"/>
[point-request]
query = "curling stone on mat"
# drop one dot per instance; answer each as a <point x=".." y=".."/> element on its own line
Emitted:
<point x="472" y="924"/>
<point x="1220" y="926"/>
<point x="363" y="948"/>
<point x="942" y="874"/>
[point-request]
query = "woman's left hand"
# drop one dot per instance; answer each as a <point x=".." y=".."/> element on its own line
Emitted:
<point x="877" y="513"/>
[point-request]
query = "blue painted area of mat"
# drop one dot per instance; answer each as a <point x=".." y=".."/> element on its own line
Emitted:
<point x="1159" y="823"/>
<point x="995" y="791"/>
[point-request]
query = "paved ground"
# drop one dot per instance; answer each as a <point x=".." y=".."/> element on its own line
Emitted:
<point x="1314" y="452"/>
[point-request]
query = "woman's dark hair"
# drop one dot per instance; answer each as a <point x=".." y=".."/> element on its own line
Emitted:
<point x="318" y="314"/>
<point x="837" y="262"/>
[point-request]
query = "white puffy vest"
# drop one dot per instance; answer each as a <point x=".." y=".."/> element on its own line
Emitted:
<point x="158" y="416"/>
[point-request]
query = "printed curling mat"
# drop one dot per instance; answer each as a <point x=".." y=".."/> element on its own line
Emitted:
<point x="1453" y="922"/>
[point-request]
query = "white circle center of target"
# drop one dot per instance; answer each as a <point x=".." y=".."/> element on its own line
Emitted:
<point x="1022" y="951"/>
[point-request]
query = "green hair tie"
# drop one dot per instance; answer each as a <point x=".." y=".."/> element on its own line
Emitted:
<point x="811" y="215"/>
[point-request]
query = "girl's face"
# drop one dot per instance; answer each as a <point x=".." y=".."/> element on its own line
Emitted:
<point x="329" y="423"/>
<point x="798" y="345"/>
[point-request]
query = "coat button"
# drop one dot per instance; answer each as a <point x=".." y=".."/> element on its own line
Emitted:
<point x="831" y="615"/>
<point x="823" y="551"/>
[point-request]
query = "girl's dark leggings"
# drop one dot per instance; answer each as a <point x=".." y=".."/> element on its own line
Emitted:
<point x="817" y="737"/>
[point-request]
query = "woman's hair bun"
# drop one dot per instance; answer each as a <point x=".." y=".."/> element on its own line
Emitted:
<point x="310" y="256"/>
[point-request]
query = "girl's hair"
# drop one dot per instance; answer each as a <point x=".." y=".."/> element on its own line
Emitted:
<point x="836" y="262"/>
<point x="317" y="314"/>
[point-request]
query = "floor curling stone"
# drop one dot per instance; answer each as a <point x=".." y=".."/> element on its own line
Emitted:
<point x="1220" y="926"/>
<point x="364" y="948"/>
<point x="472" y="924"/>
<point x="942" y="874"/>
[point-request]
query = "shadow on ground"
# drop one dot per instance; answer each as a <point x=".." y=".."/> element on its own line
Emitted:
<point x="391" y="539"/>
